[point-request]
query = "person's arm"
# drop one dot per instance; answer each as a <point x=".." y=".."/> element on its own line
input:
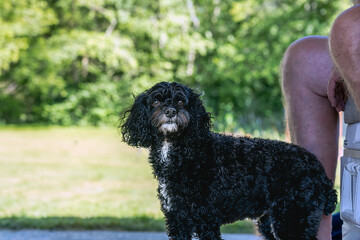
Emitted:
<point x="345" y="51"/>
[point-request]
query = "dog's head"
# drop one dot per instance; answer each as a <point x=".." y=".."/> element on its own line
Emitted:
<point x="167" y="109"/>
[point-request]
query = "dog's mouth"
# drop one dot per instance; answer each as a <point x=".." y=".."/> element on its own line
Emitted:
<point x="168" y="125"/>
<point x="171" y="120"/>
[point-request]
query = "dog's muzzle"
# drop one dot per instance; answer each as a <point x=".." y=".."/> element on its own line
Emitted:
<point x="169" y="120"/>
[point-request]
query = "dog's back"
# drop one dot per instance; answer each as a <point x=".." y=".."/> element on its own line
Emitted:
<point x="283" y="183"/>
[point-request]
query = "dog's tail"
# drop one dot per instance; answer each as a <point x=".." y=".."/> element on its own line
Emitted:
<point x="331" y="200"/>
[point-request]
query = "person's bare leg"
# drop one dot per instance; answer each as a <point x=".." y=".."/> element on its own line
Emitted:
<point x="312" y="121"/>
<point x="345" y="49"/>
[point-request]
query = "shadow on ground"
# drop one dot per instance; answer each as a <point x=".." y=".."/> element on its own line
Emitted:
<point x="141" y="223"/>
<point x="91" y="223"/>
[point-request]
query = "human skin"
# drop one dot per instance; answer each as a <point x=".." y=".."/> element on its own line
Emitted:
<point x="317" y="74"/>
<point x="312" y="121"/>
<point x="345" y="50"/>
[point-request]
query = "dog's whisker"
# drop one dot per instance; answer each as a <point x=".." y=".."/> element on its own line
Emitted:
<point x="183" y="119"/>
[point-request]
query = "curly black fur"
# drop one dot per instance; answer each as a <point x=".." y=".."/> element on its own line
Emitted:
<point x="208" y="179"/>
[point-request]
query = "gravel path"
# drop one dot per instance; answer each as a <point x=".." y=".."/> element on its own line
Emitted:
<point x="98" y="235"/>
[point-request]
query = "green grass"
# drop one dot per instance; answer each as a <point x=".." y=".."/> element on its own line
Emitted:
<point x="78" y="178"/>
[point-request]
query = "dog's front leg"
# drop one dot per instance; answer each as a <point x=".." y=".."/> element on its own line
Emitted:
<point x="208" y="231"/>
<point x="207" y="224"/>
<point x="178" y="225"/>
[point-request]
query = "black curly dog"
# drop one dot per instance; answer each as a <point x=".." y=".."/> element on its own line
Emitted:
<point x="208" y="179"/>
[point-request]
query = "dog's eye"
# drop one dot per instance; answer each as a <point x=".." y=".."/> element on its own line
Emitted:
<point x="180" y="103"/>
<point x="156" y="103"/>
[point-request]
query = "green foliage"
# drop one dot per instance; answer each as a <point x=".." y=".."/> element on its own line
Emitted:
<point x="79" y="62"/>
<point x="241" y="75"/>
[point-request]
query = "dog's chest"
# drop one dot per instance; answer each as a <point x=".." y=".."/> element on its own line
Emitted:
<point x="164" y="152"/>
<point x="163" y="188"/>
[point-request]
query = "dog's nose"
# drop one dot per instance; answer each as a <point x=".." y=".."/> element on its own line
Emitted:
<point x="170" y="112"/>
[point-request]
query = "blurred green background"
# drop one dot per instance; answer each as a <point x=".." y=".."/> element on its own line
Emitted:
<point x="78" y="62"/>
<point x="69" y="67"/>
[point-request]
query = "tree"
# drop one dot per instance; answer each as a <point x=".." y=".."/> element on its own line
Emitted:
<point x="79" y="62"/>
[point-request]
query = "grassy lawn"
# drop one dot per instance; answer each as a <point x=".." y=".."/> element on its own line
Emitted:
<point x="78" y="178"/>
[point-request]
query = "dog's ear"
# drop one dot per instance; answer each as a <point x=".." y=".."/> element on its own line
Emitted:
<point x="200" y="122"/>
<point x="136" y="130"/>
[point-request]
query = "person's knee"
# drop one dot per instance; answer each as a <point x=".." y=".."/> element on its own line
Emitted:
<point x="344" y="35"/>
<point x="305" y="62"/>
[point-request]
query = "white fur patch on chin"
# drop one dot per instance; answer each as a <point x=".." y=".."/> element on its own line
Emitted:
<point x="169" y="127"/>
